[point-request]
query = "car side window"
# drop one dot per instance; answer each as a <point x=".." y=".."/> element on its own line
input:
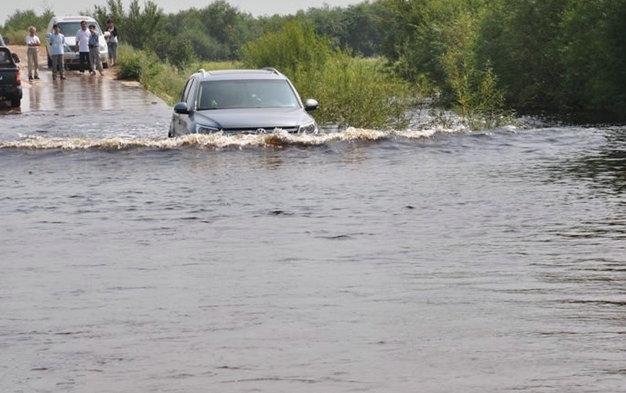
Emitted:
<point x="191" y="98"/>
<point x="183" y="97"/>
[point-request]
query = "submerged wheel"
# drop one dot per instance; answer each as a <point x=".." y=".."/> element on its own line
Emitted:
<point x="16" y="102"/>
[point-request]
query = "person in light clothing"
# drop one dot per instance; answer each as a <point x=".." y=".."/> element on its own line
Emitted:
<point x="33" y="43"/>
<point x="82" y="45"/>
<point x="94" y="51"/>
<point x="57" y="43"/>
<point x="112" y="40"/>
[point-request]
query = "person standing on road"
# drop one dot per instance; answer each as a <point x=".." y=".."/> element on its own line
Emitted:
<point x="111" y="36"/>
<point x="57" y="42"/>
<point x="82" y="46"/>
<point x="33" y="53"/>
<point x="94" y="51"/>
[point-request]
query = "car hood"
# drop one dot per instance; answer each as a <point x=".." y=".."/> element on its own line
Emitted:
<point x="266" y="118"/>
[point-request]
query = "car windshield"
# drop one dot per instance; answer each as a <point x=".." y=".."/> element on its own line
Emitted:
<point x="69" y="29"/>
<point x="237" y="94"/>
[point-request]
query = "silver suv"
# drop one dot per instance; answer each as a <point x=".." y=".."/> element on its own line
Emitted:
<point x="241" y="101"/>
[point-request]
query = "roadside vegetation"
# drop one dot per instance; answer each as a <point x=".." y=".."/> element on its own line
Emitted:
<point x="486" y="59"/>
<point x="161" y="78"/>
<point x="557" y="57"/>
<point x="15" y="29"/>
<point x="353" y="91"/>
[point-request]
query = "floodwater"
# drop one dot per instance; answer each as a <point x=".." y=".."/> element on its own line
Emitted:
<point x="431" y="260"/>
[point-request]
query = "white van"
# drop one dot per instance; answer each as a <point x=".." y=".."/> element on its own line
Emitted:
<point x="69" y="26"/>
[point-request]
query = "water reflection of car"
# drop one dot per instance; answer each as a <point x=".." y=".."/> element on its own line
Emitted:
<point x="10" y="82"/>
<point x="241" y="101"/>
<point x="69" y="26"/>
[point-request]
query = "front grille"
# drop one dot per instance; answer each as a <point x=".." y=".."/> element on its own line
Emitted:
<point x="260" y="130"/>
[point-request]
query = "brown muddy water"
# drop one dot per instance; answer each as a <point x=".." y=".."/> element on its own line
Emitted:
<point x="431" y="260"/>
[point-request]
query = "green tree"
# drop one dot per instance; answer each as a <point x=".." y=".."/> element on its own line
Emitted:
<point x="593" y="47"/>
<point x="137" y="25"/>
<point x="16" y="26"/>
<point x="295" y="46"/>
<point x="521" y="39"/>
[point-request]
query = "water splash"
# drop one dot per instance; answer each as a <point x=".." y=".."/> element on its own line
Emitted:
<point x="278" y="138"/>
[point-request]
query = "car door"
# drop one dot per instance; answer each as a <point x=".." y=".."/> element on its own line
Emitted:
<point x="177" y="124"/>
<point x="186" y="120"/>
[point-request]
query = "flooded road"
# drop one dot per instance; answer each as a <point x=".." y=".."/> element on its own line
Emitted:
<point x="433" y="260"/>
<point x="83" y="107"/>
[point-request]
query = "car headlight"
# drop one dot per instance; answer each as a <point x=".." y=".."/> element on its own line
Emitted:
<point x="310" y="128"/>
<point x="202" y="129"/>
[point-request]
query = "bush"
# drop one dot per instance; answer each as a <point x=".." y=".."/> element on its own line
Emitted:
<point x="356" y="92"/>
<point x="130" y="63"/>
<point x="352" y="91"/>
<point x="294" y="48"/>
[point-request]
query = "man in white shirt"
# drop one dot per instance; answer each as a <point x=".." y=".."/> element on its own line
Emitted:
<point x="32" y="41"/>
<point x="82" y="44"/>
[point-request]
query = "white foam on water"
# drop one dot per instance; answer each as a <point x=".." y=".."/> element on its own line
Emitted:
<point x="221" y="140"/>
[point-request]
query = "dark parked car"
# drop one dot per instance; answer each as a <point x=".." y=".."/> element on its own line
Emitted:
<point x="10" y="82"/>
<point x="241" y="101"/>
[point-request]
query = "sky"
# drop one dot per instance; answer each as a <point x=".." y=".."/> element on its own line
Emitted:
<point x="256" y="7"/>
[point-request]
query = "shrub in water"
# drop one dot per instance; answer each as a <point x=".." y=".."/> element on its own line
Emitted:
<point x="352" y="91"/>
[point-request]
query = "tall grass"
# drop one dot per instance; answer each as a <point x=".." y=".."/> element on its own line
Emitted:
<point x="356" y="92"/>
<point x="352" y="91"/>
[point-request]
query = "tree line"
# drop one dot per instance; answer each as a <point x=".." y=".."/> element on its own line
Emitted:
<point x="480" y="56"/>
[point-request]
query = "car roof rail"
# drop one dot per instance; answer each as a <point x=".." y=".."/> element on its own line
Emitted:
<point x="203" y="71"/>
<point x="272" y="69"/>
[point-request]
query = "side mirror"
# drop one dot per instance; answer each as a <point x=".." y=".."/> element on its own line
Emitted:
<point x="182" y="108"/>
<point x="15" y="57"/>
<point x="311" y="105"/>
